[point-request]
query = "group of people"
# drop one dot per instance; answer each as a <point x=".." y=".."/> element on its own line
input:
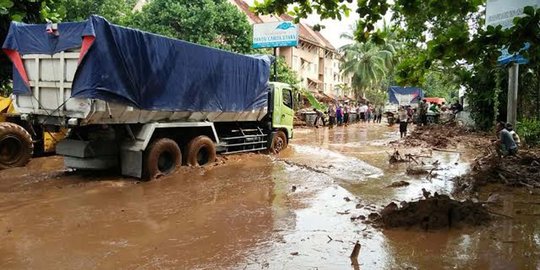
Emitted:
<point x="344" y="114"/>
<point x="431" y="112"/>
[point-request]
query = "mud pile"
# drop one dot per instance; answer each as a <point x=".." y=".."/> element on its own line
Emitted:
<point x="435" y="212"/>
<point x="437" y="136"/>
<point x="520" y="170"/>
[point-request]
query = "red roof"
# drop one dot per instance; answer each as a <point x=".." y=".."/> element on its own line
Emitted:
<point x="245" y="8"/>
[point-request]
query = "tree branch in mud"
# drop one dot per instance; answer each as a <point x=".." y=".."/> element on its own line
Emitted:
<point x="355" y="252"/>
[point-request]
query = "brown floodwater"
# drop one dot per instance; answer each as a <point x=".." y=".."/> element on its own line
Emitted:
<point x="291" y="211"/>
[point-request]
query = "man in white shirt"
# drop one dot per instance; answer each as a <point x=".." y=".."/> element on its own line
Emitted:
<point x="363" y="110"/>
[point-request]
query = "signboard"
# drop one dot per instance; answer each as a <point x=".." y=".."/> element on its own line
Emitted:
<point x="503" y="12"/>
<point x="506" y="57"/>
<point x="275" y="34"/>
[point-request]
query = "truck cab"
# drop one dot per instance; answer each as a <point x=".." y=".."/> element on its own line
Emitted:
<point x="281" y="106"/>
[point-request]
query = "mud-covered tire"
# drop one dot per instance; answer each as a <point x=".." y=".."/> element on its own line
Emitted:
<point x="162" y="157"/>
<point x="279" y="142"/>
<point x="201" y="151"/>
<point x="16" y="146"/>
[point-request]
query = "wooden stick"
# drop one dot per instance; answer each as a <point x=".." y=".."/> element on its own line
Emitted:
<point x="355" y="252"/>
<point x="499" y="214"/>
<point x="445" y="150"/>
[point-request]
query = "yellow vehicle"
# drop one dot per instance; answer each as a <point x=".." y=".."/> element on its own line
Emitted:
<point x="20" y="140"/>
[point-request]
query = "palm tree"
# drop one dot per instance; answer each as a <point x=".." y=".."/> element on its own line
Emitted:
<point x="367" y="63"/>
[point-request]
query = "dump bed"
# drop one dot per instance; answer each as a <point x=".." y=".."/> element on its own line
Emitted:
<point x="101" y="73"/>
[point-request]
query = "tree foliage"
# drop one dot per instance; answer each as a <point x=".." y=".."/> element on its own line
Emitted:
<point x="215" y="23"/>
<point x="29" y="11"/>
<point x="116" y="11"/>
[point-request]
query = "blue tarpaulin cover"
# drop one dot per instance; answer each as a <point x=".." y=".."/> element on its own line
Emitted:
<point x="148" y="71"/>
<point x="399" y="95"/>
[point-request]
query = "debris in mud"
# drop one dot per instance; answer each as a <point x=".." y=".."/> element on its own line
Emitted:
<point x="355" y="253"/>
<point x="396" y="157"/>
<point x="373" y="216"/>
<point x="435" y="212"/>
<point x="520" y="170"/>
<point x="439" y="136"/>
<point x="295" y="253"/>
<point x="347" y="199"/>
<point x="398" y="184"/>
<point x="416" y="171"/>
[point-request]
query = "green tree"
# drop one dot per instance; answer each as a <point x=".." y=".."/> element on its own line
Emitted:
<point x="439" y="84"/>
<point x="115" y="11"/>
<point x="215" y="23"/>
<point x="285" y="73"/>
<point x="368" y="63"/>
<point x="29" y="11"/>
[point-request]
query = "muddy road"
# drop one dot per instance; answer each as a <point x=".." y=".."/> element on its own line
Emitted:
<point x="254" y="211"/>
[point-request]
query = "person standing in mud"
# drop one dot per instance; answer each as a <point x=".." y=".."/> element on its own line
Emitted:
<point x="505" y="144"/>
<point x="363" y="109"/>
<point x="403" y="121"/>
<point x="422" y="110"/>
<point x="369" y="113"/>
<point x="379" y="113"/>
<point x="339" y="115"/>
<point x="346" y="109"/>
<point x="331" y="115"/>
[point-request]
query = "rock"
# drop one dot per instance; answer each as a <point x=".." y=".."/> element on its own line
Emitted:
<point x="293" y="189"/>
<point x="398" y="184"/>
<point x="493" y="198"/>
<point x="295" y="253"/>
<point x="374" y="216"/>
<point x="359" y="205"/>
<point x="347" y="199"/>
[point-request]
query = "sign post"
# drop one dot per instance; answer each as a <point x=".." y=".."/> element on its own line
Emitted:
<point x="503" y="12"/>
<point x="274" y="35"/>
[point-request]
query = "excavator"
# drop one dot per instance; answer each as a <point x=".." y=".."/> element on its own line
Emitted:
<point x="21" y="140"/>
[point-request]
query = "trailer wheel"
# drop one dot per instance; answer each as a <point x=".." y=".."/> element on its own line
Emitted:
<point x="279" y="142"/>
<point x="162" y="157"/>
<point x="201" y="151"/>
<point x="16" y="146"/>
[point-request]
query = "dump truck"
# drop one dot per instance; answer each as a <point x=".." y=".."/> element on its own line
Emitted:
<point x="141" y="102"/>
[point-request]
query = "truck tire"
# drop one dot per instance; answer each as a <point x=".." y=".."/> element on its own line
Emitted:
<point x="16" y="146"/>
<point x="279" y="142"/>
<point x="201" y="151"/>
<point x="162" y="157"/>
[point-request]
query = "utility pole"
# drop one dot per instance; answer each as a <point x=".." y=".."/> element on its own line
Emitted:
<point x="511" y="109"/>
<point x="275" y="64"/>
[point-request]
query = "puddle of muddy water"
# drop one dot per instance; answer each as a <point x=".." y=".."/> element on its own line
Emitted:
<point x="318" y="233"/>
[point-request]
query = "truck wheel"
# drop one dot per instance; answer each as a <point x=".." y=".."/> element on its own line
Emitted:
<point x="16" y="146"/>
<point x="201" y="151"/>
<point x="162" y="157"/>
<point x="279" y="142"/>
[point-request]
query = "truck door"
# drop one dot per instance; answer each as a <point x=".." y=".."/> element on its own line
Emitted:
<point x="283" y="114"/>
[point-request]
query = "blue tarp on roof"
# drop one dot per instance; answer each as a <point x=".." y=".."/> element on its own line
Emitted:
<point x="148" y="71"/>
<point x="400" y="95"/>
